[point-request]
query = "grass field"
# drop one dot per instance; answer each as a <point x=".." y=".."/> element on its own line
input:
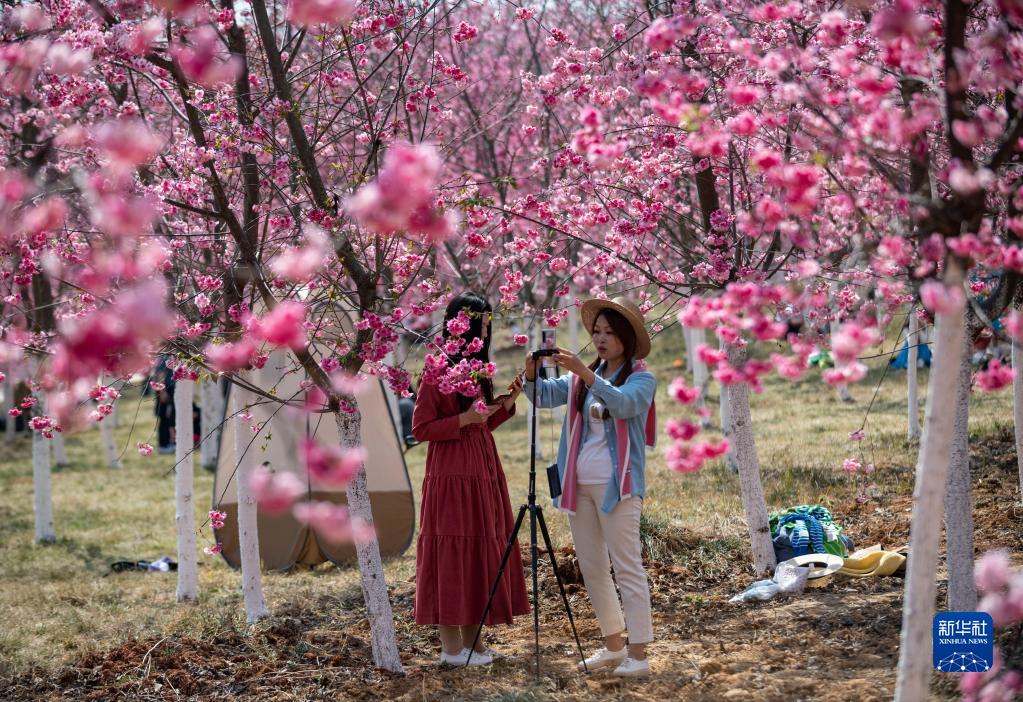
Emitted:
<point x="59" y="602"/>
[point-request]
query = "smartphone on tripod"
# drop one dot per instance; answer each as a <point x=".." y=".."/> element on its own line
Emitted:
<point x="549" y="342"/>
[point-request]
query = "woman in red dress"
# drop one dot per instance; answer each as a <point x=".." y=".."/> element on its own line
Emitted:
<point x="466" y="516"/>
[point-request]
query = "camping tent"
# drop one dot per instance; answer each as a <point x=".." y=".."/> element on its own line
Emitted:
<point x="283" y="541"/>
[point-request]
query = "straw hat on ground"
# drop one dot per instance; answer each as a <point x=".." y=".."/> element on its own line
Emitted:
<point x="624" y="307"/>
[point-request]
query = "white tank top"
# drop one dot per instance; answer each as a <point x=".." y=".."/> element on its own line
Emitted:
<point x="594" y="465"/>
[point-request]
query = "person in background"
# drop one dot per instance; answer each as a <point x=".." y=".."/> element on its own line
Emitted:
<point x="163" y="377"/>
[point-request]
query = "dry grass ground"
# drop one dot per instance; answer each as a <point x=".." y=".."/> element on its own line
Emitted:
<point x="72" y="630"/>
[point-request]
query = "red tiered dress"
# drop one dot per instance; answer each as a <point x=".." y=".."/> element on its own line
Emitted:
<point x="465" y="519"/>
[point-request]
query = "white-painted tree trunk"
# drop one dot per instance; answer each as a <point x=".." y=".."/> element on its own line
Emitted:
<point x="725" y="412"/>
<point x="106" y="435"/>
<point x="749" y="469"/>
<point x="914" y="669"/>
<point x="962" y="594"/>
<point x="211" y="417"/>
<point x="701" y="378"/>
<point x="41" y="483"/>
<point x="57" y="442"/>
<point x="184" y="507"/>
<point x="1017" y="408"/>
<point x="912" y="394"/>
<point x="574" y="344"/>
<point x="248" y="531"/>
<point x="843" y="389"/>
<point x="371" y="568"/>
<point x="9" y="422"/>
<point x="109" y="447"/>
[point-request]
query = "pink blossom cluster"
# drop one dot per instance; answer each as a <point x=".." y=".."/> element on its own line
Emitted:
<point x="331" y="466"/>
<point x="402" y="197"/>
<point x="685" y="455"/>
<point x="333" y="522"/>
<point x="275" y="491"/>
<point x="1001" y="588"/>
<point x="995" y="376"/>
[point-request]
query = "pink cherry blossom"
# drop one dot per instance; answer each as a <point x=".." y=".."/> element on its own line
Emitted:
<point x="333" y="13"/>
<point x="348" y="384"/>
<point x="205" y="60"/>
<point x="333" y="523"/>
<point x="843" y="375"/>
<point x="127" y="143"/>
<point x="300" y="264"/>
<point x="995" y="376"/>
<point x="682" y="393"/>
<point x="275" y="492"/>
<point x="282" y="326"/>
<point x="331" y="466"/>
<point x="680" y="430"/>
<point x="940" y="299"/>
<point x="226" y="358"/>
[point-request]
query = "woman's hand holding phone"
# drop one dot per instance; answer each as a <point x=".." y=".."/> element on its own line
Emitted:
<point x="514" y="390"/>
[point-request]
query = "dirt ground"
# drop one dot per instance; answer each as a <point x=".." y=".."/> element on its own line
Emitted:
<point x="831" y="644"/>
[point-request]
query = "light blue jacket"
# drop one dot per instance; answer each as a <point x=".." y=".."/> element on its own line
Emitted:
<point x="631" y="402"/>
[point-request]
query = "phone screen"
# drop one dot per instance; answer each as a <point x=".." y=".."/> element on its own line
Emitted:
<point x="548" y="340"/>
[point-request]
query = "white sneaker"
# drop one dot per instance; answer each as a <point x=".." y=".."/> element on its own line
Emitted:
<point x="602" y="659"/>
<point x="477" y="658"/>
<point x="455" y="659"/>
<point x="631" y="668"/>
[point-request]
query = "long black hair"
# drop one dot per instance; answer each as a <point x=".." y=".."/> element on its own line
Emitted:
<point x="480" y="313"/>
<point x="627" y="335"/>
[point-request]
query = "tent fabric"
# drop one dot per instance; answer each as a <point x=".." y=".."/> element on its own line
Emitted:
<point x="283" y="541"/>
<point x="923" y="354"/>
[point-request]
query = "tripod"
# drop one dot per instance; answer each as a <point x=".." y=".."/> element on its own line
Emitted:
<point x="535" y="518"/>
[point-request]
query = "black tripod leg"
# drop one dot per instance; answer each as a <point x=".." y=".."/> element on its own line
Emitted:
<point x="512" y="543"/>
<point x="533" y="509"/>
<point x="561" y="585"/>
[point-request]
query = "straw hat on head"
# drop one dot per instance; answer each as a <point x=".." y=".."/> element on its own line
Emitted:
<point x="626" y="308"/>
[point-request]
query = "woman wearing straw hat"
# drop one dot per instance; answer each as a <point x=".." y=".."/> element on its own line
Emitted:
<point x="601" y="461"/>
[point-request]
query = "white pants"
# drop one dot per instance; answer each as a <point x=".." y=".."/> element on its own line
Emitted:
<point x="602" y="540"/>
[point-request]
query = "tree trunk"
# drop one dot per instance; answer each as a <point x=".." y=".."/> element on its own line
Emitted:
<point x="9" y="384"/>
<point x="843" y="389"/>
<point x="59" y="450"/>
<point x="45" y="533"/>
<point x="725" y="412"/>
<point x="912" y="399"/>
<point x="106" y="434"/>
<point x="695" y="338"/>
<point x="211" y="418"/>
<point x="1017" y="408"/>
<point x="749" y="469"/>
<point x="184" y="518"/>
<point x="962" y="595"/>
<point x="248" y="532"/>
<point x="371" y="568"/>
<point x="914" y="670"/>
